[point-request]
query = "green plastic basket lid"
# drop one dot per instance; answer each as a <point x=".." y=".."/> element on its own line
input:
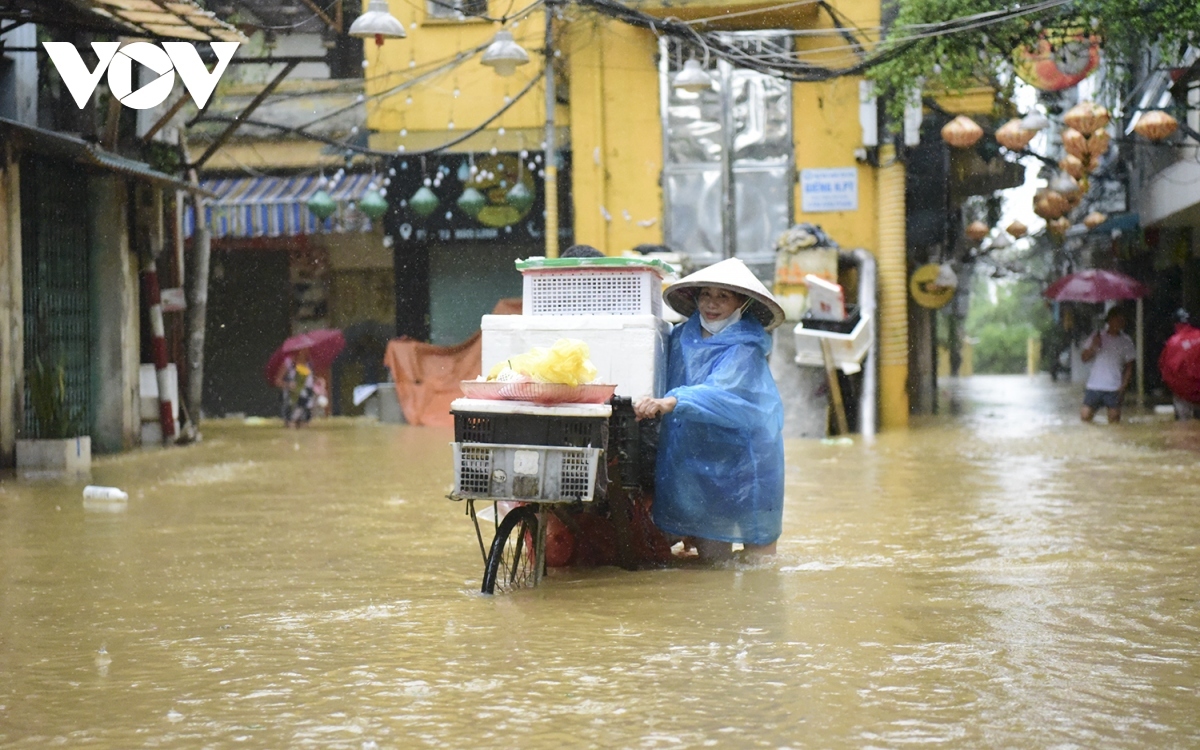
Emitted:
<point x="539" y="263"/>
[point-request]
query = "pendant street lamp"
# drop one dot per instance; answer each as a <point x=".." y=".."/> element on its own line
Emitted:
<point x="377" y="22"/>
<point x="692" y="78"/>
<point x="504" y="55"/>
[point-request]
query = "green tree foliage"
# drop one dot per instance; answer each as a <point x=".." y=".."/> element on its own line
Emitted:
<point x="921" y="47"/>
<point x="1001" y="328"/>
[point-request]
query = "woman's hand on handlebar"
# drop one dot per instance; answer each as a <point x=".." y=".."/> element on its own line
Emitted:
<point x="648" y="408"/>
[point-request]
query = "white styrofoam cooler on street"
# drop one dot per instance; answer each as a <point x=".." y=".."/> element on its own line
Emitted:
<point x="630" y="351"/>
<point x="848" y="349"/>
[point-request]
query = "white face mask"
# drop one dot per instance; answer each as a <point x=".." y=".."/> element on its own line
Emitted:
<point x="717" y="326"/>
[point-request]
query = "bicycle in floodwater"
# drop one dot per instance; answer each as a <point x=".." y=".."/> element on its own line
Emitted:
<point x="531" y="463"/>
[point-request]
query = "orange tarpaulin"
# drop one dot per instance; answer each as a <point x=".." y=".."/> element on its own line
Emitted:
<point x="427" y="376"/>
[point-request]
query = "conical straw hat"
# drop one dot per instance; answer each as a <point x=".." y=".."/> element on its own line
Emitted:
<point x="731" y="274"/>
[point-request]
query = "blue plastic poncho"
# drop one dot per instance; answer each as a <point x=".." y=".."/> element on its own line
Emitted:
<point x="720" y="455"/>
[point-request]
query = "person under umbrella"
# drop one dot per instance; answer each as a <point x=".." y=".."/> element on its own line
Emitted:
<point x="298" y="389"/>
<point x="719" y="473"/>
<point x="1112" y="355"/>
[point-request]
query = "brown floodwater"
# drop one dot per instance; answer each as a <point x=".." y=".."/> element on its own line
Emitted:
<point x="1000" y="576"/>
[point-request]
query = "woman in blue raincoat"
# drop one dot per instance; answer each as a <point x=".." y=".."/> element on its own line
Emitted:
<point x="719" y="478"/>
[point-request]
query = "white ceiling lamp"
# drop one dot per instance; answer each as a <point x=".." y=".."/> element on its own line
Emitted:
<point x="377" y="22"/>
<point x="1034" y="121"/>
<point x="692" y="78"/>
<point x="504" y="55"/>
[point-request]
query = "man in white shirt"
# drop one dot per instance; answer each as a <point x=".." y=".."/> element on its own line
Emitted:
<point x="1112" y="354"/>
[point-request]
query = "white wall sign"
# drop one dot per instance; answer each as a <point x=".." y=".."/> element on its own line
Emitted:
<point x="829" y="189"/>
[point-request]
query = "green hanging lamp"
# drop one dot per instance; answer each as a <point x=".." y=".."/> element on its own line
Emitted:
<point x="520" y="197"/>
<point x="373" y="204"/>
<point x="471" y="202"/>
<point x="321" y="204"/>
<point x="424" y="202"/>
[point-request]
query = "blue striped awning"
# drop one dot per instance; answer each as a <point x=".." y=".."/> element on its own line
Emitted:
<point x="277" y="206"/>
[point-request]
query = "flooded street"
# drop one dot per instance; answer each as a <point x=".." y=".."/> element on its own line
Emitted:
<point x="998" y="576"/>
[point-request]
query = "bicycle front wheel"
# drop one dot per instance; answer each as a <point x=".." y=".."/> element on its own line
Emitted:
<point x="512" y="561"/>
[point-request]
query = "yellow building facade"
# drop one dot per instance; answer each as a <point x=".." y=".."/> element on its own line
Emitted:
<point x="610" y="118"/>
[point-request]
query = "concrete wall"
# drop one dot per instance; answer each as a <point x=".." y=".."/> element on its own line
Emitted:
<point x="116" y="345"/>
<point x="12" y="346"/>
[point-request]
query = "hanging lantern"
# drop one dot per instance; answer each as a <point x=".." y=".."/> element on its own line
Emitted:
<point x="1156" y="125"/>
<point x="1017" y="229"/>
<point x="372" y="203"/>
<point x="1065" y="185"/>
<point x="519" y="197"/>
<point x="1094" y="219"/>
<point x="1097" y="144"/>
<point x="1013" y="137"/>
<point x="471" y="202"/>
<point x="1057" y="60"/>
<point x="976" y="231"/>
<point x="1086" y="117"/>
<point x="1050" y="205"/>
<point x="961" y="132"/>
<point x="1000" y="242"/>
<point x="1072" y="165"/>
<point x="423" y="202"/>
<point x="321" y="204"/>
<point x="1034" y="121"/>
<point x="1058" y="227"/>
<point x="692" y="78"/>
<point x="1074" y="143"/>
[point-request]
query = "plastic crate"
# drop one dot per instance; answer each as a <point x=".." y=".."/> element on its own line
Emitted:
<point x="523" y="429"/>
<point x="533" y="473"/>
<point x="592" y="291"/>
<point x="848" y="349"/>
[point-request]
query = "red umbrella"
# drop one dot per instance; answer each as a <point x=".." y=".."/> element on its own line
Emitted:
<point x="323" y="347"/>
<point x="1094" y="285"/>
<point x="1180" y="363"/>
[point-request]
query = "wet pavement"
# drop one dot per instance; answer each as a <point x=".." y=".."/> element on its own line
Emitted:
<point x="998" y="576"/>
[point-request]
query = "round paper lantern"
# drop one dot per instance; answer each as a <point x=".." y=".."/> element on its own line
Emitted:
<point x="1059" y="226"/>
<point x="321" y="204"/>
<point x="1050" y="205"/>
<point x="372" y="203"/>
<point x="423" y="202"/>
<point x="519" y="197"/>
<point x="976" y="231"/>
<point x="1013" y="137"/>
<point x="1072" y="165"/>
<point x="961" y="132"/>
<point x="1074" y="143"/>
<point x="1058" y="65"/>
<point x="1017" y="229"/>
<point x="1094" y="219"/>
<point x="1156" y="125"/>
<point x="1086" y="117"/>
<point x="471" y="202"/>
<point x="1097" y="144"/>
<point x="1065" y="185"/>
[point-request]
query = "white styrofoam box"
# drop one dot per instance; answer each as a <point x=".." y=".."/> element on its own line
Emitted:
<point x="848" y="349"/>
<point x="148" y="379"/>
<point x="629" y="351"/>
<point x="592" y="291"/>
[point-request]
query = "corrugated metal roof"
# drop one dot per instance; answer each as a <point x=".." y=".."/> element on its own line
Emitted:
<point x="80" y="151"/>
<point x="157" y="19"/>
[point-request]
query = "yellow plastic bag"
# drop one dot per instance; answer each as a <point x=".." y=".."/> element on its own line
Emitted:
<point x="566" y="362"/>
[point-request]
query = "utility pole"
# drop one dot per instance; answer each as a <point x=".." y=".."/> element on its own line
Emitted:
<point x="550" y="188"/>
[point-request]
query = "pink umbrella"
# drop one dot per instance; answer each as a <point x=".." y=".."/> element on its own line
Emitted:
<point x="1180" y="363"/>
<point x="323" y="347"/>
<point x="1095" y="285"/>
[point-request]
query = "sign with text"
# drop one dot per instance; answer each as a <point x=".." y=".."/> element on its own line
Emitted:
<point x="164" y="62"/>
<point x="823" y="190"/>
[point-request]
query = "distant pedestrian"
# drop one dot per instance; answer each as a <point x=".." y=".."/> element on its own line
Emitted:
<point x="1112" y="353"/>
<point x="581" y="251"/>
<point x="298" y="389"/>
